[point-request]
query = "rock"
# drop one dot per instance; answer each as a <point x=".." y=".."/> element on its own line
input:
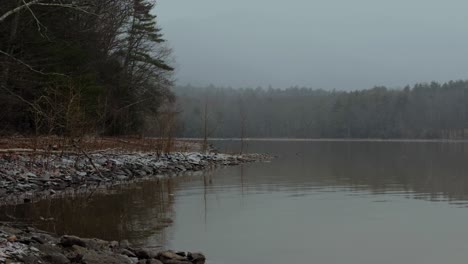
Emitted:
<point x="30" y="175"/>
<point x="38" y="239"/>
<point x="134" y="260"/>
<point x="29" y="259"/>
<point x="33" y="249"/>
<point x="68" y="241"/>
<point x="174" y="261"/>
<point x="128" y="253"/>
<point x="141" y="173"/>
<point x="47" y="249"/>
<point x="124" y="244"/>
<point x="169" y="257"/>
<point x="79" y="250"/>
<point x="96" y="244"/>
<point x="95" y="258"/>
<point x="82" y="173"/>
<point x="145" y="254"/>
<point x="25" y="241"/>
<point x="56" y="258"/>
<point x="154" y="261"/>
<point x="197" y="258"/>
<point x="113" y="244"/>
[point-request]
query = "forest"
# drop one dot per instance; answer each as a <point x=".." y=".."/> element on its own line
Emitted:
<point x="424" y="111"/>
<point x="74" y="67"/>
<point x="77" y="67"/>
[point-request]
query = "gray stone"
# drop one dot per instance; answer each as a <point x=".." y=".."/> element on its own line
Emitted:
<point x="113" y="244"/>
<point x="68" y="241"/>
<point x="82" y="173"/>
<point x="30" y="175"/>
<point x="127" y="253"/>
<point x="38" y="239"/>
<point x="96" y="244"/>
<point x="124" y="244"/>
<point x="166" y="256"/>
<point x="56" y="258"/>
<point x="94" y="258"/>
<point x="174" y="261"/>
<point x="197" y="258"/>
<point x="144" y="254"/>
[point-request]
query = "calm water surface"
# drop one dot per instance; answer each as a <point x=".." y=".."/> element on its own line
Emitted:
<point x="319" y="202"/>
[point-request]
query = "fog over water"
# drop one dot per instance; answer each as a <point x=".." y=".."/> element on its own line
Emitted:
<point x="320" y="44"/>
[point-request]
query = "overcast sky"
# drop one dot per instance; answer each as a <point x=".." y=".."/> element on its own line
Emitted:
<point x="328" y="44"/>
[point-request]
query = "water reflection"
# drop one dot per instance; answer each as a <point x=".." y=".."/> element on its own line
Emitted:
<point x="123" y="212"/>
<point x="430" y="171"/>
<point x="316" y="197"/>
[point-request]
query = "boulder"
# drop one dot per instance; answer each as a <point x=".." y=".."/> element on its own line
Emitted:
<point x="173" y="261"/>
<point x="127" y="253"/>
<point x="93" y="258"/>
<point x="68" y="241"/>
<point x="197" y="258"/>
<point x="169" y="257"/>
<point x="56" y="258"/>
<point x="145" y="254"/>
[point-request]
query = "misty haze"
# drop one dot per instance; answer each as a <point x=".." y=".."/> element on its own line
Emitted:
<point x="227" y="132"/>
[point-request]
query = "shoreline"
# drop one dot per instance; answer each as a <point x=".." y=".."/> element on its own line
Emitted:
<point x="29" y="178"/>
<point x="29" y="245"/>
<point x="26" y="177"/>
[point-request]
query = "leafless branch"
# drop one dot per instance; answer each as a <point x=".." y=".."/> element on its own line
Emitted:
<point x="29" y="66"/>
<point x="18" y="9"/>
<point x="68" y="6"/>
<point x="27" y="5"/>
<point x="39" y="24"/>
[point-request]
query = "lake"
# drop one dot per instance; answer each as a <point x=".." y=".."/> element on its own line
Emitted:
<point x="324" y="202"/>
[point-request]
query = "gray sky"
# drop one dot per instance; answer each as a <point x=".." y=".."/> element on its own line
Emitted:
<point x="340" y="44"/>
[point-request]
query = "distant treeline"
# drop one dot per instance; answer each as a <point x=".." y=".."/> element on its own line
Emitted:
<point x="426" y="111"/>
<point x="72" y="67"/>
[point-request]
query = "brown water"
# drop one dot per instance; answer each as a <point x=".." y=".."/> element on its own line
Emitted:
<point x="319" y="202"/>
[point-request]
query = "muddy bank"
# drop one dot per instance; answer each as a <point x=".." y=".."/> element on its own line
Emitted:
<point x="28" y="245"/>
<point x="25" y="177"/>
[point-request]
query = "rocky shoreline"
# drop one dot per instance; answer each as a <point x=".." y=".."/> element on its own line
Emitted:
<point x="31" y="246"/>
<point x="25" y="177"/>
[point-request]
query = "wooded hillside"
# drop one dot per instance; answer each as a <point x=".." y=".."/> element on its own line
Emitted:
<point x="82" y="66"/>
<point x="430" y="110"/>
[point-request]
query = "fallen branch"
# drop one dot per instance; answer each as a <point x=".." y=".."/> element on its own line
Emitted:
<point x="89" y="159"/>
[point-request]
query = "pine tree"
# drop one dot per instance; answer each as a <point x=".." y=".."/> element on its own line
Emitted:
<point x="143" y="38"/>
